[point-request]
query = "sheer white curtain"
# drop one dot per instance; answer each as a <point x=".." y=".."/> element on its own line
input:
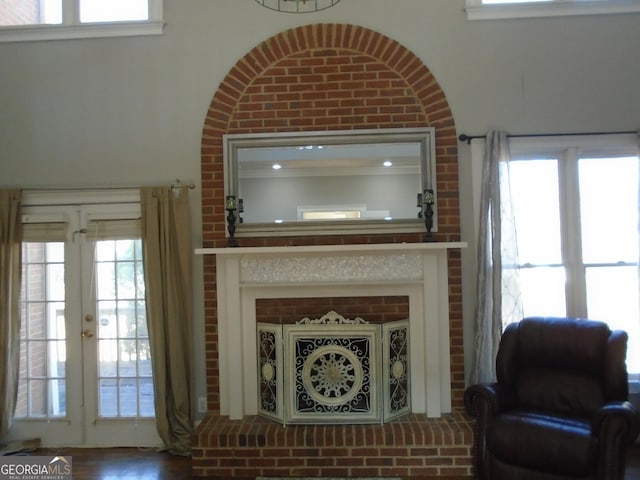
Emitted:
<point x="10" y="276"/>
<point x="498" y="300"/>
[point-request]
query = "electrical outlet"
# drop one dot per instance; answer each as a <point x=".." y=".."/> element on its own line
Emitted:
<point x="202" y="404"/>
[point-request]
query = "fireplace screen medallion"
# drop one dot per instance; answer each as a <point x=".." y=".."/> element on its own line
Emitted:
<point x="333" y="369"/>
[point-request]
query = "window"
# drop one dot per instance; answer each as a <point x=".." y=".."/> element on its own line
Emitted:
<point x="575" y="210"/>
<point x="492" y="9"/>
<point x="22" y="20"/>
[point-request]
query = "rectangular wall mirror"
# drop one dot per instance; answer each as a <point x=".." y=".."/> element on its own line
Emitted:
<point x="330" y="182"/>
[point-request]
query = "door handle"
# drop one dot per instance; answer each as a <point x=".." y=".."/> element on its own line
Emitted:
<point x="87" y="333"/>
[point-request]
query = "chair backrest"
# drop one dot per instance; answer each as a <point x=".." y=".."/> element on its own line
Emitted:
<point x="563" y="364"/>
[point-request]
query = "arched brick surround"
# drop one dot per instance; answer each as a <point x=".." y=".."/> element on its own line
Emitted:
<point x="329" y="77"/>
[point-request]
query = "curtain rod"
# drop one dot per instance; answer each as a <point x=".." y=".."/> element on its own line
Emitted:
<point x="467" y="138"/>
<point x="177" y="184"/>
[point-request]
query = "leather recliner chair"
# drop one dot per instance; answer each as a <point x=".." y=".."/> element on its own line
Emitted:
<point x="559" y="408"/>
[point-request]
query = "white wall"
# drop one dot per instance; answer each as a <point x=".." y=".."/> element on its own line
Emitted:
<point x="130" y="111"/>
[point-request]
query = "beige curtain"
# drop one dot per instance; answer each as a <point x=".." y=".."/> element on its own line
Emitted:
<point x="166" y="240"/>
<point x="10" y="276"/>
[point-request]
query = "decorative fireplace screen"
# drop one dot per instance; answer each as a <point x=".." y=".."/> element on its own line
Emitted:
<point x="333" y="370"/>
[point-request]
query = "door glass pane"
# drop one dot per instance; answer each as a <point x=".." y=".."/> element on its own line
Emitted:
<point x="37" y="398"/>
<point x="108" y="403"/>
<point x="127" y="325"/>
<point x="113" y="10"/>
<point x="128" y="393"/>
<point x="43" y="355"/>
<point x="145" y="394"/>
<point x="612" y="296"/>
<point x="144" y="354"/>
<point x="126" y="279"/>
<point x="123" y="343"/>
<point x="105" y="252"/>
<point x="535" y="199"/>
<point x="105" y="271"/>
<point x="609" y="209"/>
<point x="30" y="12"/>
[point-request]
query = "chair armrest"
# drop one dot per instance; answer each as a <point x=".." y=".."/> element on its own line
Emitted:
<point x="617" y="419"/>
<point x="487" y="399"/>
<point x="484" y="401"/>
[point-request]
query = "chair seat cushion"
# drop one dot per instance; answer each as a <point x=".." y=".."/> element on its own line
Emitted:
<point x="544" y="441"/>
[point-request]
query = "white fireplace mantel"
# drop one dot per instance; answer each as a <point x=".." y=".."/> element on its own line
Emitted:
<point x="416" y="270"/>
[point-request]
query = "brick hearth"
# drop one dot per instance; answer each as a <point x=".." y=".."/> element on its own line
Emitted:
<point x="413" y="447"/>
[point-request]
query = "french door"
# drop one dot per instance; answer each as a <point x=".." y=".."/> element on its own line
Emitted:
<point x="85" y="362"/>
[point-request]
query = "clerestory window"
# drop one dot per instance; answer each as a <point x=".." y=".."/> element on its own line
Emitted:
<point x="494" y="9"/>
<point x="24" y="20"/>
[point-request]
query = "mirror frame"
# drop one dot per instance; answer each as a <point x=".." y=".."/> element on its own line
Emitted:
<point x="424" y="136"/>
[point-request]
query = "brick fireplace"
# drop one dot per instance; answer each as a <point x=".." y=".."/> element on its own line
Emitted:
<point x="318" y="77"/>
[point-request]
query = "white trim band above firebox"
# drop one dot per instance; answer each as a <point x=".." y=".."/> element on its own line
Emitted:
<point x="415" y="270"/>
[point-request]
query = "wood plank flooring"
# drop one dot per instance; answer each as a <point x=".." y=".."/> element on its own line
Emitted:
<point x="143" y="464"/>
<point x="123" y="463"/>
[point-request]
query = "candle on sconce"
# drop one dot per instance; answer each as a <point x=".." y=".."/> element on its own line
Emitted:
<point x="428" y="197"/>
<point x="428" y="200"/>
<point x="419" y="202"/>
<point x="230" y="202"/>
<point x="230" y="205"/>
<point x="240" y="205"/>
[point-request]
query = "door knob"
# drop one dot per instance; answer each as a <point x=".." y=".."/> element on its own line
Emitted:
<point x="87" y="333"/>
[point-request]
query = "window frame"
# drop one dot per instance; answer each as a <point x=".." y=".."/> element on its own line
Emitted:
<point x="554" y="8"/>
<point x="72" y="28"/>
<point x="568" y="151"/>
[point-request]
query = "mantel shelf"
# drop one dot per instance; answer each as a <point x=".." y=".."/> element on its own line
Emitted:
<point x="355" y="248"/>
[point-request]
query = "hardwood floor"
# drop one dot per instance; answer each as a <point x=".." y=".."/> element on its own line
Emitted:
<point x="123" y="463"/>
<point x="140" y="464"/>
